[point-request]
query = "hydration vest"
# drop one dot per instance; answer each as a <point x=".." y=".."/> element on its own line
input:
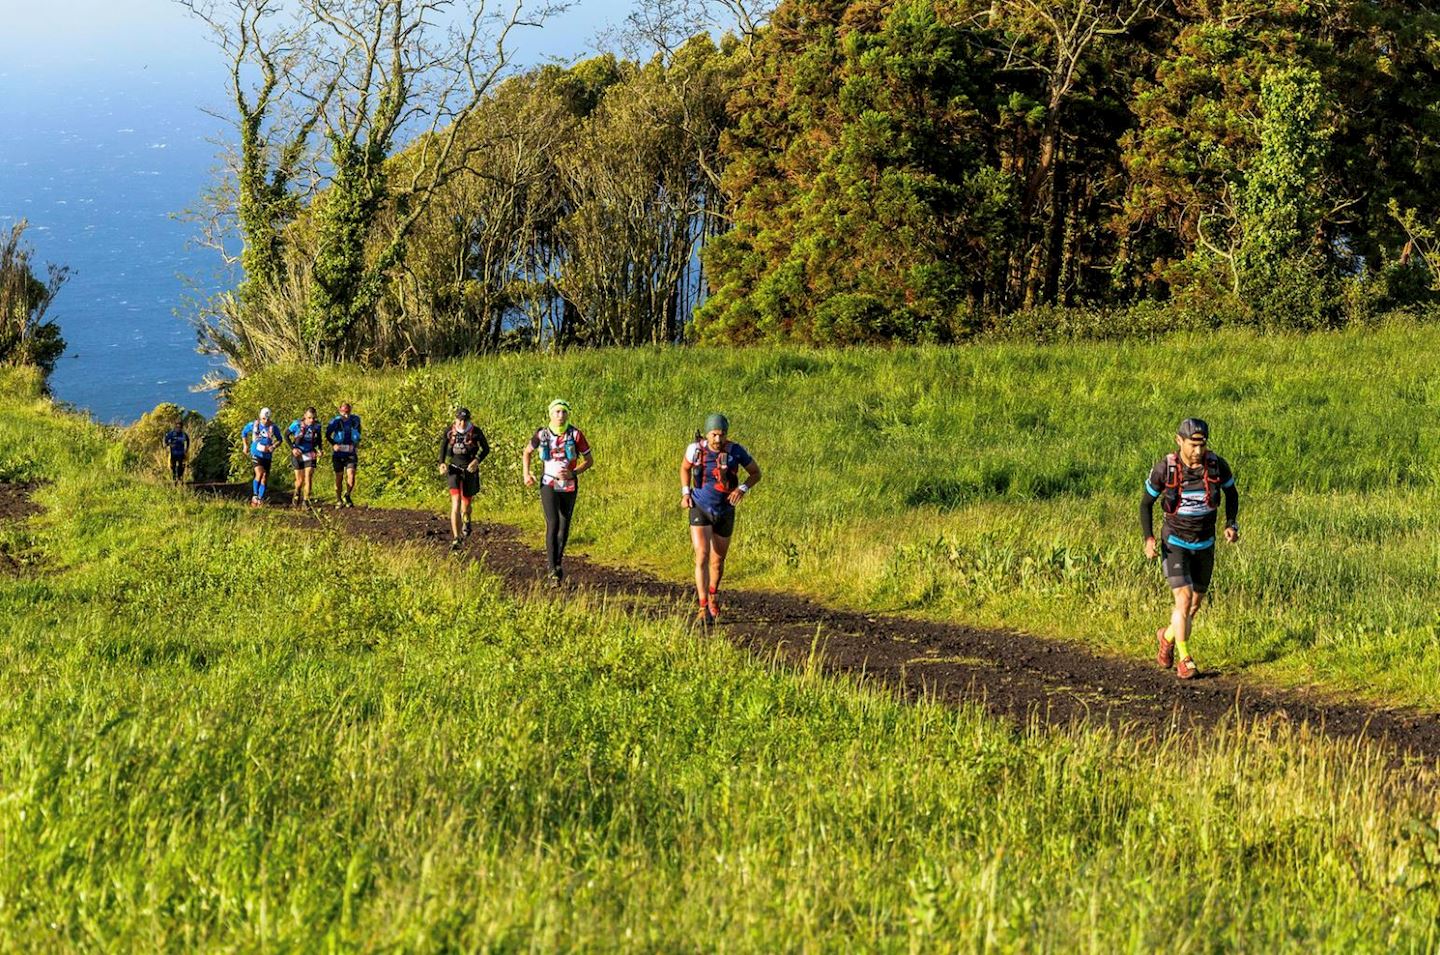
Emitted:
<point x="1175" y="477"/>
<point x="548" y="445"/>
<point x="463" y="444"/>
<point x="306" y="435"/>
<point x="343" y="427"/>
<point x="264" y="438"/>
<point x="721" y="470"/>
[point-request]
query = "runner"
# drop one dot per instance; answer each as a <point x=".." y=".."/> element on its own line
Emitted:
<point x="1188" y="485"/>
<point x="343" y="433"/>
<point x="261" y="437"/>
<point x="303" y="437"/>
<point x="179" y="444"/>
<point x="462" y="448"/>
<point x="564" y="453"/>
<point x="710" y="489"/>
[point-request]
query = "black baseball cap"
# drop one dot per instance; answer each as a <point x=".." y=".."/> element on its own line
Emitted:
<point x="462" y="414"/>
<point x="1193" y="428"/>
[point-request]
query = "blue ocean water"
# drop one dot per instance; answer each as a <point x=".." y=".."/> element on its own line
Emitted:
<point x="99" y="161"/>
<point x="106" y="133"/>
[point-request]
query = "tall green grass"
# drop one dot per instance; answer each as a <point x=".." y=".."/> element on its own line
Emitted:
<point x="996" y="484"/>
<point x="218" y="731"/>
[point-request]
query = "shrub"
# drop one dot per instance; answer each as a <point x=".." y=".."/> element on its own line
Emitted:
<point x="142" y="440"/>
<point x="26" y="336"/>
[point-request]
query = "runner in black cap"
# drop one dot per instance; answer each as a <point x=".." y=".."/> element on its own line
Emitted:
<point x="1189" y="484"/>
<point x="462" y="448"/>
<point x="710" y="488"/>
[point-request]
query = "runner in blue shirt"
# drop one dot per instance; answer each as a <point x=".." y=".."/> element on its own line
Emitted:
<point x="343" y="433"/>
<point x="303" y="436"/>
<point x="261" y="437"/>
<point x="710" y="488"/>
<point x="179" y="444"/>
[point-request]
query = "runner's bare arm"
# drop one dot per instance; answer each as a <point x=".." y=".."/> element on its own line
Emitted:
<point x="525" y="461"/>
<point x="752" y="478"/>
<point x="685" y="466"/>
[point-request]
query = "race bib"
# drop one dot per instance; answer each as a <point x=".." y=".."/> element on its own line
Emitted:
<point x="344" y="448"/>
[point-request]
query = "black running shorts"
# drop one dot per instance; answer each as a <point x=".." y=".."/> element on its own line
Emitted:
<point x="341" y="460"/>
<point x="467" y="483"/>
<point x="1189" y="568"/>
<point x="723" y="524"/>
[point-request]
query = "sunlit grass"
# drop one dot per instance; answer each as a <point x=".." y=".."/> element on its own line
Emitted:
<point x="996" y="484"/>
<point x="220" y="731"/>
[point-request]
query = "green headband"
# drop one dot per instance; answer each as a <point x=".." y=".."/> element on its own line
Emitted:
<point x="559" y="403"/>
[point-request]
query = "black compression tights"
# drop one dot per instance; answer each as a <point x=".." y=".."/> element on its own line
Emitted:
<point x="558" y="505"/>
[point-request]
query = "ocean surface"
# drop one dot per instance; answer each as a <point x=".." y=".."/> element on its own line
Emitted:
<point x="107" y="133"/>
<point x="100" y="162"/>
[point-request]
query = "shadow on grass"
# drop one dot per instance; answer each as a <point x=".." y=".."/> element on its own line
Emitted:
<point x="949" y="493"/>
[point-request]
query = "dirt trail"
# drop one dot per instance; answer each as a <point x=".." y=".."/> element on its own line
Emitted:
<point x="1015" y="675"/>
<point x="15" y="505"/>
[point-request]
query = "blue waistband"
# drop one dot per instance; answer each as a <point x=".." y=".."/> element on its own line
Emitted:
<point x="1174" y="541"/>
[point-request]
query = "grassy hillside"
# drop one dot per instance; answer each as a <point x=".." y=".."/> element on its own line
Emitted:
<point x="218" y="731"/>
<point x="996" y="484"/>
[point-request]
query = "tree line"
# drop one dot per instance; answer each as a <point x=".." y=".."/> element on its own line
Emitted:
<point x="831" y="172"/>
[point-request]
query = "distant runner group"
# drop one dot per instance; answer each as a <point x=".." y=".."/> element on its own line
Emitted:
<point x="710" y="485"/>
<point x="1189" y="483"/>
<point x="262" y="437"/>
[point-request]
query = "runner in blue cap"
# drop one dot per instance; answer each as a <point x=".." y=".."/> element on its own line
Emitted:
<point x="710" y="488"/>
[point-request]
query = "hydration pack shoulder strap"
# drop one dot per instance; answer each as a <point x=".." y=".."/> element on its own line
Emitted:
<point x="1175" y="480"/>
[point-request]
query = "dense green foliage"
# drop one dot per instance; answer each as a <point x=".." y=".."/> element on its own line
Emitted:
<point x="996" y="484"/>
<point x="867" y="171"/>
<point x="221" y="730"/>
<point x="143" y="445"/>
<point x="898" y="169"/>
<point x="27" y="337"/>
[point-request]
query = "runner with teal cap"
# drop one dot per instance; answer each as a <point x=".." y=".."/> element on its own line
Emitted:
<point x="710" y="487"/>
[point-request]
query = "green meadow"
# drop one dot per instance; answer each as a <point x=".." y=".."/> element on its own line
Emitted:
<point x="221" y="731"/>
<point x="996" y="484"/>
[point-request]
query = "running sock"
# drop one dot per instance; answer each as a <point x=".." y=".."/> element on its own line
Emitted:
<point x="254" y="488"/>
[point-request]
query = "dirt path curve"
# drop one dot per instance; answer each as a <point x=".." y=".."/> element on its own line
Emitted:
<point x="15" y="505"/>
<point x="1015" y="675"/>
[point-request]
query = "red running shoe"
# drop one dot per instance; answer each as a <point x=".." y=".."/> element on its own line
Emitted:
<point x="1165" y="649"/>
<point x="1186" y="669"/>
<point x="714" y="606"/>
